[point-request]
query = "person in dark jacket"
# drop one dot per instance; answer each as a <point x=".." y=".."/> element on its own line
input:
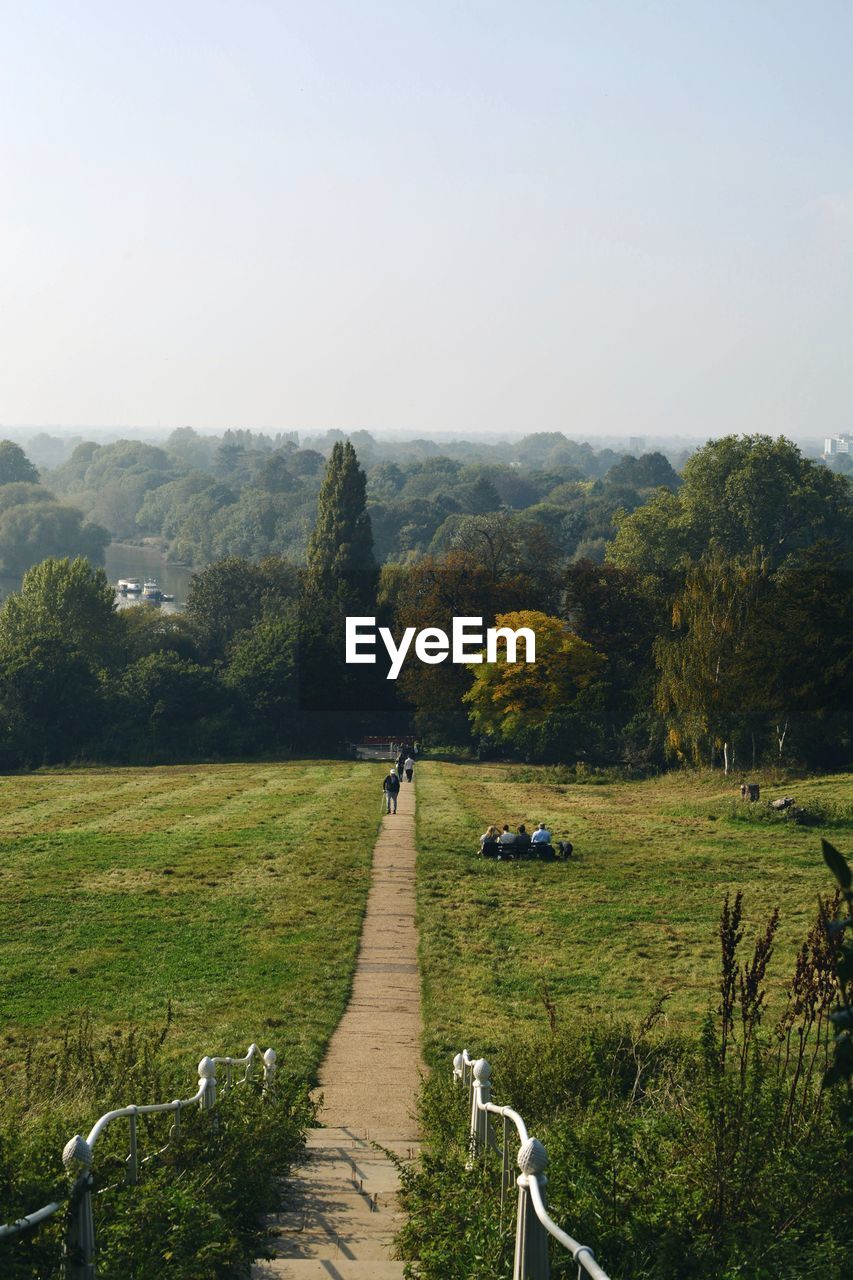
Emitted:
<point x="391" y="787"/>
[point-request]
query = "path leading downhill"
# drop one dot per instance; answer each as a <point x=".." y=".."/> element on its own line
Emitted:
<point x="339" y="1215"/>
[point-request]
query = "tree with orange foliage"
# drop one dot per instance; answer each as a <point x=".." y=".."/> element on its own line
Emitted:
<point x="537" y="707"/>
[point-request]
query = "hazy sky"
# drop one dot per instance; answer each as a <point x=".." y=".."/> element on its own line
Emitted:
<point x="581" y="215"/>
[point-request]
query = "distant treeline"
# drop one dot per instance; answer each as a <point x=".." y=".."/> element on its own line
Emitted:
<point x="716" y="629"/>
<point x="254" y="495"/>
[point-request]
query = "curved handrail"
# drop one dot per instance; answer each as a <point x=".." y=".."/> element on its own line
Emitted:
<point x="508" y="1114"/>
<point x="149" y="1110"/>
<point x="153" y="1109"/>
<point x="78" y="1153"/>
<point x="31" y="1221"/>
<point x="207" y="1086"/>
<point x="532" y="1160"/>
<point x="590" y="1266"/>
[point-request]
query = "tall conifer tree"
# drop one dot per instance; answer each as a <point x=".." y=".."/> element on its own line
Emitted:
<point x="337" y="703"/>
<point x="341" y="563"/>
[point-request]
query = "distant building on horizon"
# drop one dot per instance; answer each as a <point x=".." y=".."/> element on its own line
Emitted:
<point x="636" y="445"/>
<point x="837" y="444"/>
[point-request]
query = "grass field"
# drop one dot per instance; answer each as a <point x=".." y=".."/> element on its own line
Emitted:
<point x="235" y="891"/>
<point x="632" y="918"/>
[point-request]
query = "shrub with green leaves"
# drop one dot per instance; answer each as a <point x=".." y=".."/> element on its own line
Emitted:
<point x="840" y="1070"/>
<point x="712" y="1157"/>
<point x="197" y="1211"/>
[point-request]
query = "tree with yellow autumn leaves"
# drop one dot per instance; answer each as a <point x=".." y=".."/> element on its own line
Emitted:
<point x="540" y="706"/>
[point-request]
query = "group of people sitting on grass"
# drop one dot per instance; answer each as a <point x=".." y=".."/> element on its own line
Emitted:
<point x="505" y="844"/>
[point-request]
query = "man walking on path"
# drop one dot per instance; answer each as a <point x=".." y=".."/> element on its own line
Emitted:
<point x="391" y="787"/>
<point x="409" y="766"/>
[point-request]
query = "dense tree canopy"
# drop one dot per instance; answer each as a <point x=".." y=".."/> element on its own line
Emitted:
<point x="56" y="635"/>
<point x="740" y="493"/>
<point x="493" y="564"/>
<point x="609" y="609"/>
<point x="248" y="493"/>
<point x="50" y="703"/>
<point x="15" y="466"/>
<point x="33" y="524"/>
<point x="21" y="493"/>
<point x="30" y="531"/>
<point x="263" y="671"/>
<point x="651" y="471"/>
<point x="229" y="597"/>
<point x="69" y="601"/>
<point x="709" y="690"/>
<point x="703" y="618"/>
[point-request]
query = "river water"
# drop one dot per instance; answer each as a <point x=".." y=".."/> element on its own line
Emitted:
<point x="123" y="560"/>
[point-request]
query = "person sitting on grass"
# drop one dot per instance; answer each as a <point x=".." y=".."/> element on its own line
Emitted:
<point x="490" y="843"/>
<point x="522" y="841"/>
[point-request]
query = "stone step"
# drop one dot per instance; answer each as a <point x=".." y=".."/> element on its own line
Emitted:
<point x="331" y="1176"/>
<point x="323" y="1161"/>
<point x="324" y="1269"/>
<point x="345" y="1207"/>
<point x="314" y="1242"/>
<point x="339" y="1137"/>
<point x="372" y="1147"/>
<point x="370" y="1178"/>
<point x="330" y="1196"/>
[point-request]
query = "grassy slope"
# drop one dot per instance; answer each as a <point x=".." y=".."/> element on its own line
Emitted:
<point x="236" y="891"/>
<point x="633" y="917"/>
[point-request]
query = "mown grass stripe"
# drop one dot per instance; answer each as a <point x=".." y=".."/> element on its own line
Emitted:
<point x="633" y="917"/>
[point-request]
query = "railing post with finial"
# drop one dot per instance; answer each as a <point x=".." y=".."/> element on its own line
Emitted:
<point x="480" y="1095"/>
<point x="531" y="1238"/>
<point x="131" y="1164"/>
<point x="254" y="1052"/>
<point x="207" y="1082"/>
<point x="79" y="1251"/>
<point x="270" y="1060"/>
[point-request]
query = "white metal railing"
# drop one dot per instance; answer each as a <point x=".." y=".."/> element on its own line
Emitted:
<point x="77" y="1157"/>
<point x="533" y="1225"/>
